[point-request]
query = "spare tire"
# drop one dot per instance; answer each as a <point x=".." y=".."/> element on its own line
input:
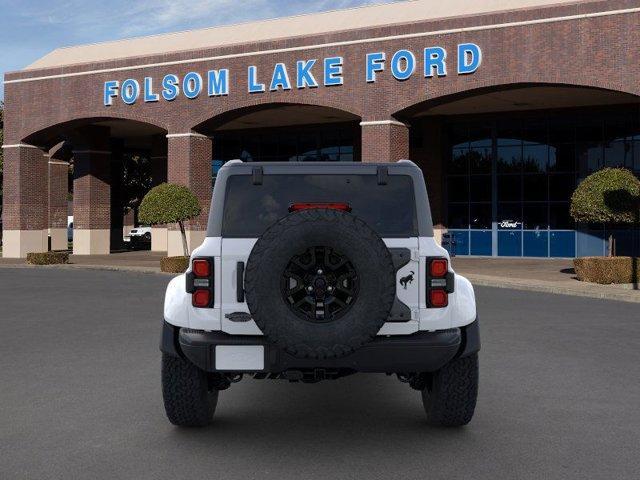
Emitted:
<point x="320" y="283"/>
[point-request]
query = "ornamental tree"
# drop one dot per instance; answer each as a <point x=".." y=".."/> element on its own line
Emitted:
<point x="609" y="196"/>
<point x="170" y="203"/>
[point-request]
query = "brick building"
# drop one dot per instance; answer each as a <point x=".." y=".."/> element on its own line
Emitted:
<point x="505" y="105"/>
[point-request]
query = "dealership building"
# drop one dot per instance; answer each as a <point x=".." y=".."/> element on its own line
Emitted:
<point x="504" y="104"/>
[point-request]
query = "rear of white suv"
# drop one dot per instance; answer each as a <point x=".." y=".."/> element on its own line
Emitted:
<point x="316" y="271"/>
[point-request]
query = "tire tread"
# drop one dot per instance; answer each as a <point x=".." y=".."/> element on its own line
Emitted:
<point x="270" y="329"/>
<point x="188" y="401"/>
<point x="451" y="399"/>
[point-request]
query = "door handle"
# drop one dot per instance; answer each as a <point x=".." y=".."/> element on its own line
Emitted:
<point x="240" y="282"/>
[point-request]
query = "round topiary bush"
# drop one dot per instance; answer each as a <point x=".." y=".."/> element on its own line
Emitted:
<point x="609" y="195"/>
<point x="170" y="203"/>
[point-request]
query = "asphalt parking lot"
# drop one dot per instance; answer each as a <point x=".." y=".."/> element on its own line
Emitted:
<point x="80" y="396"/>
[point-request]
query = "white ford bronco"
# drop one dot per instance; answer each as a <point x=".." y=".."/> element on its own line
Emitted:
<point x="315" y="271"/>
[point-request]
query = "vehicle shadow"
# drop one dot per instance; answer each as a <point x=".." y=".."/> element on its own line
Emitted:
<point x="366" y="412"/>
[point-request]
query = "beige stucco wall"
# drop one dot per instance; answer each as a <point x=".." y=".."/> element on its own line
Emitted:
<point x="91" y="242"/>
<point x="174" y="241"/>
<point x="159" y="239"/>
<point x="58" y="238"/>
<point x="17" y="243"/>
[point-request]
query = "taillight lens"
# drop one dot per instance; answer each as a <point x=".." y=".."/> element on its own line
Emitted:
<point x="438" y="298"/>
<point x="439" y="267"/>
<point x="296" y="207"/>
<point x="440" y="282"/>
<point x="200" y="282"/>
<point x="201" y="298"/>
<point x="201" y="268"/>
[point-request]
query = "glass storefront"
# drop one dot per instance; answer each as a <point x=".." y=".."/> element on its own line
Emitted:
<point x="330" y="143"/>
<point x="509" y="180"/>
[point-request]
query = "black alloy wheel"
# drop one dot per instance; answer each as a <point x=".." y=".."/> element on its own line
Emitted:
<point x="320" y="284"/>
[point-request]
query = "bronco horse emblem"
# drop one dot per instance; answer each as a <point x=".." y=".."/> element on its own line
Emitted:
<point x="404" y="281"/>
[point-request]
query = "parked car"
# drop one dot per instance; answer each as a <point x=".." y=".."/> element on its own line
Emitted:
<point x="139" y="238"/>
<point x="311" y="273"/>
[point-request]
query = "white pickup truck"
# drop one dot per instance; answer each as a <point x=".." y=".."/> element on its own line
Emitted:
<point x="138" y="237"/>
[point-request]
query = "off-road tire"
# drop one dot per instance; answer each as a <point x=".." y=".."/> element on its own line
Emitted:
<point x="450" y="395"/>
<point x="290" y="236"/>
<point x="188" y="398"/>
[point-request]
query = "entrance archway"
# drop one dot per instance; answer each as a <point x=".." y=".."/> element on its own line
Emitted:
<point x="501" y="164"/>
<point x="284" y="132"/>
<point x="113" y="163"/>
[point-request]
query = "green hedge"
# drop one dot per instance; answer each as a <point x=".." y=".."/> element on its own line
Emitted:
<point x="607" y="270"/>
<point x="47" y="258"/>
<point x="174" y="264"/>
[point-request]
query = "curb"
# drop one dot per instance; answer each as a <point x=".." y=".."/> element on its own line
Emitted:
<point x="74" y="266"/>
<point x="605" y="292"/>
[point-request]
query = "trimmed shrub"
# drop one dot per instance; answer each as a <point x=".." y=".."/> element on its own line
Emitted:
<point x="606" y="270"/>
<point x="174" y="264"/>
<point x="47" y="258"/>
<point x="169" y="203"/>
<point x="610" y="195"/>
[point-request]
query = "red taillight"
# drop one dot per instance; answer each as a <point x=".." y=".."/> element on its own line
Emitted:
<point x="296" y="207"/>
<point x="439" y="282"/>
<point x="201" y="268"/>
<point x="201" y="298"/>
<point x="438" y="298"/>
<point x="439" y="267"/>
<point x="200" y="282"/>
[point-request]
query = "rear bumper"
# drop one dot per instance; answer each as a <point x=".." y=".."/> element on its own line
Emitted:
<point x="420" y="352"/>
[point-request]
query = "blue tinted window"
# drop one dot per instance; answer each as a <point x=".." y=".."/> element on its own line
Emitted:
<point x="535" y="158"/>
<point x="510" y="159"/>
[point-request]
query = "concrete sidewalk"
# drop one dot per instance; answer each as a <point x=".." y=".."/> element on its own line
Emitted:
<point x="134" y="261"/>
<point x="540" y="275"/>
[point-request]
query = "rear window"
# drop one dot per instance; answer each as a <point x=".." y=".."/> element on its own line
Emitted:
<point x="388" y="209"/>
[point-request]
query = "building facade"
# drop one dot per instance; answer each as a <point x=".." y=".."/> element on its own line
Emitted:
<point x="504" y="110"/>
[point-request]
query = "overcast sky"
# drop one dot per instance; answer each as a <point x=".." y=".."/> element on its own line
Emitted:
<point x="31" y="28"/>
